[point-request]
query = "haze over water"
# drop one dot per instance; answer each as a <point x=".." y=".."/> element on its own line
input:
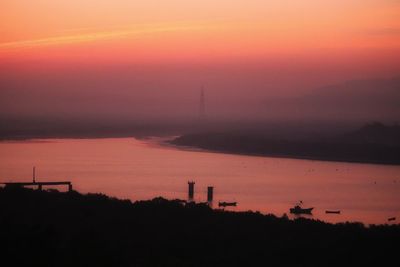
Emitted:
<point x="137" y="170"/>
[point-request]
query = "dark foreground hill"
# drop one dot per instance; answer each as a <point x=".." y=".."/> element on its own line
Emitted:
<point x="39" y="228"/>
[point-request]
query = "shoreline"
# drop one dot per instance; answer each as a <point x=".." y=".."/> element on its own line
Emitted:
<point x="265" y="155"/>
<point x="168" y="142"/>
<point x="286" y="149"/>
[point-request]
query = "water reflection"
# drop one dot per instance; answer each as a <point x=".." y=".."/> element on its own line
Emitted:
<point x="134" y="169"/>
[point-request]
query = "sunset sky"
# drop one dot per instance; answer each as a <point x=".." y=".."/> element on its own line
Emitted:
<point x="156" y="50"/>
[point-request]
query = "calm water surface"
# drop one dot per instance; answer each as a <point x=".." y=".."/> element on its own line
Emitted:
<point x="135" y="169"/>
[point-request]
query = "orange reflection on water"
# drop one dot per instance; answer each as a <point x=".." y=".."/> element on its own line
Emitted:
<point x="134" y="169"/>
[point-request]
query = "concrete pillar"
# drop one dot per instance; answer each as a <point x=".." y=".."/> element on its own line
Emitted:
<point x="210" y="193"/>
<point x="191" y="190"/>
<point x="70" y="187"/>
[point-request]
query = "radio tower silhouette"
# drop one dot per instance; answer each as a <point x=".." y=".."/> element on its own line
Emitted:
<point x="202" y="108"/>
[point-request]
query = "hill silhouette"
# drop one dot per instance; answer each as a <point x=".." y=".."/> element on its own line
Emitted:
<point x="372" y="143"/>
<point x="49" y="228"/>
<point x="352" y="100"/>
<point x="374" y="133"/>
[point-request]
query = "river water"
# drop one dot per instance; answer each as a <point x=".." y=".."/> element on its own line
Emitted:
<point x="143" y="169"/>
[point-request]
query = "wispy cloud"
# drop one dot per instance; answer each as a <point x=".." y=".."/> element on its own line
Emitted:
<point x="99" y="36"/>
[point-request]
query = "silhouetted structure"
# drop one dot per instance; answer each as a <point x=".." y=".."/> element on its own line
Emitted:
<point x="38" y="184"/>
<point x="191" y="190"/>
<point x="210" y="193"/>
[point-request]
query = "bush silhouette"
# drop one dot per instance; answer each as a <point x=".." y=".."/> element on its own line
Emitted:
<point x="40" y="228"/>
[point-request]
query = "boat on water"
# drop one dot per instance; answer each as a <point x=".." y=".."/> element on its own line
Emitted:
<point x="332" y="211"/>
<point x="298" y="209"/>
<point x="227" y="204"/>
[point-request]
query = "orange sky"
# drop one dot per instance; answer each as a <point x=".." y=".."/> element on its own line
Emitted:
<point x="158" y="52"/>
<point x="153" y="30"/>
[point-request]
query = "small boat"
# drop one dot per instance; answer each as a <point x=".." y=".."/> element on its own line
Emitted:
<point x="299" y="210"/>
<point x="332" y="211"/>
<point x="226" y="204"/>
<point x="392" y="219"/>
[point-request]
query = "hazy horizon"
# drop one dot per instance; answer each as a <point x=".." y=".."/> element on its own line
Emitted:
<point x="145" y="62"/>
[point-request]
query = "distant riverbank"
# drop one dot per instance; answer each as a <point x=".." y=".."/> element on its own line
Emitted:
<point x="325" y="150"/>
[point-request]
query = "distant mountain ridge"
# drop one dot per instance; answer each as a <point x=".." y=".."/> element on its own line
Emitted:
<point x="375" y="133"/>
<point x="355" y="100"/>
